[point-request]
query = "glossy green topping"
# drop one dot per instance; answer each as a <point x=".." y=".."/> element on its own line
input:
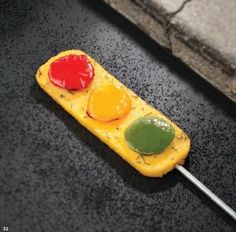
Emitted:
<point x="149" y="135"/>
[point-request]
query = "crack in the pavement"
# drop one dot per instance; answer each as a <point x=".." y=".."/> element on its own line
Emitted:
<point x="172" y="14"/>
<point x="166" y="22"/>
<point x="168" y="25"/>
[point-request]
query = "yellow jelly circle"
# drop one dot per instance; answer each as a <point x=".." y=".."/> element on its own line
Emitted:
<point x="108" y="103"/>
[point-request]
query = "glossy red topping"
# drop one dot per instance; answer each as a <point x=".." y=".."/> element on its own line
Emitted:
<point x="71" y="72"/>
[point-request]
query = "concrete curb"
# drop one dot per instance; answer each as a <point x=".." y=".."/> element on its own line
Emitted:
<point x="201" y="33"/>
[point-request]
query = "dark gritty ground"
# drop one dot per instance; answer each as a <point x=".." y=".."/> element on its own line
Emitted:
<point x="56" y="176"/>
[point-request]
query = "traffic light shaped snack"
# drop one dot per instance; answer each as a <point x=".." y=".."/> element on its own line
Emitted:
<point x="140" y="134"/>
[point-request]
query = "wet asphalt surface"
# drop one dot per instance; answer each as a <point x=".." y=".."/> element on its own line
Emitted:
<point x="56" y="176"/>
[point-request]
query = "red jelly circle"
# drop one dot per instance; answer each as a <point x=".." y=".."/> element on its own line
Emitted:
<point x="71" y="72"/>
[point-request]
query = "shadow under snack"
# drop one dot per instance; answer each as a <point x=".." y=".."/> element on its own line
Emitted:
<point x="128" y="174"/>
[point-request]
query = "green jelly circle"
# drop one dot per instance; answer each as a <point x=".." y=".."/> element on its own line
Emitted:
<point x="149" y="135"/>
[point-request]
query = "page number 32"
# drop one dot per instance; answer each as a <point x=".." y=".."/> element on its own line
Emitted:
<point x="5" y="228"/>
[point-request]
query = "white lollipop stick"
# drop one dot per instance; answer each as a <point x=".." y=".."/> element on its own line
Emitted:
<point x="207" y="191"/>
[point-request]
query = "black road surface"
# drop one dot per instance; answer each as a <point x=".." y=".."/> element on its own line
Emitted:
<point x="56" y="176"/>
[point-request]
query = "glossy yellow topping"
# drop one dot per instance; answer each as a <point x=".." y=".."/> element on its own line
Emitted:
<point x="112" y="133"/>
<point x="108" y="103"/>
